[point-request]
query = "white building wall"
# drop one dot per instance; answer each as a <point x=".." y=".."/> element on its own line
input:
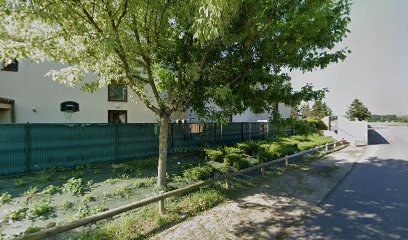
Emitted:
<point x="37" y="98"/>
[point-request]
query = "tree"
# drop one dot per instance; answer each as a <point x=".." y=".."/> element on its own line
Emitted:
<point x="305" y="110"/>
<point x="320" y="109"/>
<point x="358" y="110"/>
<point x="180" y="54"/>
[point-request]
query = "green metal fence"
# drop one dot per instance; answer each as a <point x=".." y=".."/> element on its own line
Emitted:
<point x="31" y="147"/>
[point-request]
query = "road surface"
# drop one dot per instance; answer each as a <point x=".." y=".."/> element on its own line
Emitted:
<point x="372" y="201"/>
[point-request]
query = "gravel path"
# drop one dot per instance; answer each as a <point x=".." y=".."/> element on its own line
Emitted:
<point x="267" y="212"/>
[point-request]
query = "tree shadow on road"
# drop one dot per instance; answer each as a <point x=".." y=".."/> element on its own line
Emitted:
<point x="371" y="207"/>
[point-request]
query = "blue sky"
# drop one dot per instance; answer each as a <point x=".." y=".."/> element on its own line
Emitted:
<point x="376" y="71"/>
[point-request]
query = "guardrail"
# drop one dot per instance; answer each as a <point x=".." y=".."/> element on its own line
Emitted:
<point x="50" y="232"/>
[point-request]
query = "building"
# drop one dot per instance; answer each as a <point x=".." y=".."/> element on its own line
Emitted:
<point x="26" y="95"/>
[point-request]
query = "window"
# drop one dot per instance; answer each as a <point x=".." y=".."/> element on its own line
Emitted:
<point x="12" y="67"/>
<point x="117" y="92"/>
<point x="117" y="116"/>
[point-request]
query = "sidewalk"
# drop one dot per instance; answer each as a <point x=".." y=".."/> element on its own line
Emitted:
<point x="268" y="211"/>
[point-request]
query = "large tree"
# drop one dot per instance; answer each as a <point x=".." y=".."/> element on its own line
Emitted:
<point x="358" y="110"/>
<point x="320" y="109"/>
<point x="179" y="54"/>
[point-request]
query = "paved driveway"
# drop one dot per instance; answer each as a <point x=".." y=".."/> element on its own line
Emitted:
<point x="372" y="201"/>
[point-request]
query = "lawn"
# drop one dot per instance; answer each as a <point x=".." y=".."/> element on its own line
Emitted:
<point x="29" y="203"/>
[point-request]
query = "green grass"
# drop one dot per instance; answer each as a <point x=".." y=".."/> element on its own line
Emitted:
<point x="4" y="198"/>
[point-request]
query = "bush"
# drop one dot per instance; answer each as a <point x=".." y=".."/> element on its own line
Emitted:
<point x="214" y="154"/>
<point x="5" y="197"/>
<point x="233" y="150"/>
<point x="74" y="185"/>
<point x="240" y="164"/>
<point x="249" y="148"/>
<point x="303" y="128"/>
<point x="316" y="123"/>
<point x="199" y="173"/>
<point x="231" y="158"/>
<point x="264" y="156"/>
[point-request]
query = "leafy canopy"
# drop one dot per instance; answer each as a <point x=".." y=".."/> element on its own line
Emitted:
<point x="180" y="54"/>
<point x="358" y="110"/>
<point x="320" y="109"/>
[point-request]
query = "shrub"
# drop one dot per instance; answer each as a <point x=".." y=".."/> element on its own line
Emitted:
<point x="240" y="164"/>
<point x="40" y="209"/>
<point x="316" y="123"/>
<point x="199" y="173"/>
<point x="74" y="185"/>
<point x="249" y="148"/>
<point x="233" y="150"/>
<point x="30" y="192"/>
<point x="5" y="197"/>
<point x="301" y="127"/>
<point x="214" y="154"/>
<point x="51" y="189"/>
<point x="264" y="156"/>
<point x="231" y="158"/>
<point x="17" y="215"/>
<point x="32" y="230"/>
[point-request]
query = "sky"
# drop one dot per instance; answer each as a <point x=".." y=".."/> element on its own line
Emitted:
<point x="376" y="72"/>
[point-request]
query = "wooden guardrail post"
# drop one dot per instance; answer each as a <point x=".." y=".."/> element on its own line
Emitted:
<point x="161" y="203"/>
<point x="334" y="144"/>
<point x="262" y="171"/>
<point x="326" y="147"/>
<point x="286" y="160"/>
<point x="227" y="183"/>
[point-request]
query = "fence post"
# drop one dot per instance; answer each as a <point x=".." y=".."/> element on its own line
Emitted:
<point x="262" y="171"/>
<point x="286" y="160"/>
<point x="227" y="183"/>
<point x="117" y="141"/>
<point x="161" y="203"/>
<point x="326" y="147"/>
<point x="334" y="144"/>
<point x="28" y="145"/>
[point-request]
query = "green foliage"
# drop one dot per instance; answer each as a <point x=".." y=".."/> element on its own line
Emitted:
<point x="241" y="164"/>
<point x="67" y="205"/>
<point x="32" y="230"/>
<point x="233" y="150"/>
<point x="85" y="210"/>
<point x="30" y="192"/>
<point x="265" y="156"/>
<point x="20" y="182"/>
<point x="250" y="148"/>
<point x="17" y="214"/>
<point x="39" y="209"/>
<point x="317" y="123"/>
<point x="74" y="186"/>
<point x="214" y="154"/>
<point x="384" y="118"/>
<point x="199" y="173"/>
<point x="43" y="176"/>
<point x="231" y="158"/>
<point x="320" y="110"/>
<point x="357" y="110"/>
<point x="304" y="128"/>
<point x="136" y="166"/>
<point x="4" y="198"/>
<point x="51" y="190"/>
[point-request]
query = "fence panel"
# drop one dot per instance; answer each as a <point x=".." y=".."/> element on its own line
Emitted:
<point x="66" y="145"/>
<point x="13" y="149"/>
<point x="137" y="140"/>
<point x="32" y="147"/>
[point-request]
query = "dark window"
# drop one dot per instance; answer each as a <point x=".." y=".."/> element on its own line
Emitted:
<point x="117" y="116"/>
<point x="12" y="67"/>
<point x="117" y="92"/>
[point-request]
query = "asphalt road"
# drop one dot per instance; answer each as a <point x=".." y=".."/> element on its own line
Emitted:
<point x="372" y="201"/>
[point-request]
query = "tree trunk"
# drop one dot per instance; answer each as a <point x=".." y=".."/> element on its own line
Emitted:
<point x="164" y="137"/>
